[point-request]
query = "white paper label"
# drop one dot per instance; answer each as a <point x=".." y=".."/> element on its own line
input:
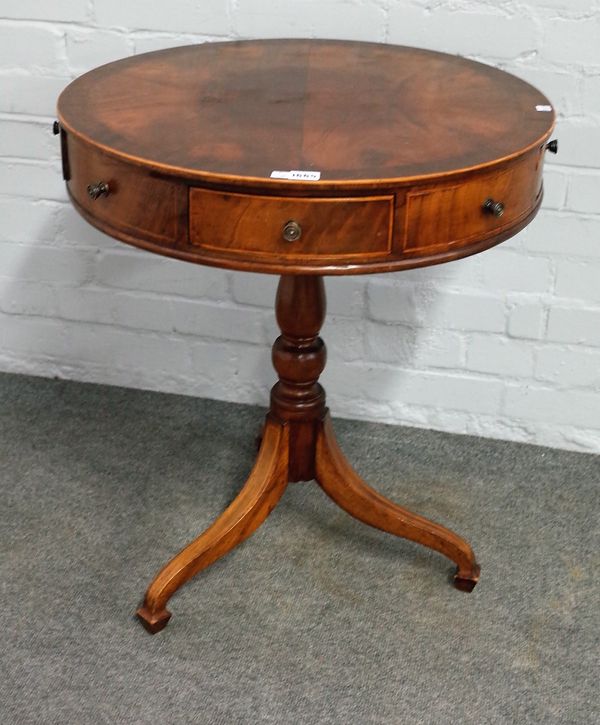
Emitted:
<point x="296" y="174"/>
<point x="543" y="108"/>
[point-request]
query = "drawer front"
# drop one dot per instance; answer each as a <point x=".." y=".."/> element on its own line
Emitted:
<point x="454" y="215"/>
<point x="242" y="224"/>
<point x="136" y="202"/>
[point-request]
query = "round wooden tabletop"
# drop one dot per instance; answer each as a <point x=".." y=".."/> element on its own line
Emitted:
<point x="305" y="156"/>
<point x="355" y="112"/>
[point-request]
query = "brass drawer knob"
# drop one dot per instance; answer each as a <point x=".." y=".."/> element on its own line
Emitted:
<point x="493" y="207"/>
<point x="100" y="188"/>
<point x="292" y="231"/>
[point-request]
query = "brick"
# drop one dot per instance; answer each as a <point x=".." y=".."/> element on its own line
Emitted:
<point x="493" y="426"/>
<point x="26" y="220"/>
<point x="35" y="180"/>
<point x="551" y="406"/>
<point x="146" y="42"/>
<point x="151" y="273"/>
<point x="397" y="302"/>
<point x="584" y="191"/>
<point x="45" y="264"/>
<point x="80" y="304"/>
<point x="143" y="354"/>
<point x="574" y="325"/>
<point x="578" y="145"/>
<point x="578" y="280"/>
<point x="87" y="48"/>
<point x="555" y="188"/>
<point x="568" y="366"/>
<point x="30" y="48"/>
<point x="345" y="295"/>
<point x="458" y="274"/>
<point x="556" y="85"/>
<point x="27" y="298"/>
<point x="526" y="320"/>
<point x="257" y="290"/>
<point x="429" y="389"/>
<point x="234" y="362"/>
<point x="414" y="305"/>
<point x="108" y="307"/>
<point x="191" y="317"/>
<point x="27" y="336"/>
<point x="344" y="338"/>
<point x="484" y="34"/>
<point x="576" y="440"/>
<point x="510" y="270"/>
<point x="566" y="7"/>
<point x="408" y="347"/>
<point x="187" y="16"/>
<point x="71" y="11"/>
<point x="71" y="228"/>
<point x="391" y="344"/>
<point x="591" y="94"/>
<point x="565" y="235"/>
<point x="28" y="140"/>
<point x="30" y="94"/>
<point x="572" y="41"/>
<point x="323" y="18"/>
<point x="498" y="356"/>
<point x="218" y="367"/>
<point x="461" y="311"/>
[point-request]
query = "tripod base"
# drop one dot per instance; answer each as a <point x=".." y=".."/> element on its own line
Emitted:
<point x="261" y="493"/>
<point x="298" y="444"/>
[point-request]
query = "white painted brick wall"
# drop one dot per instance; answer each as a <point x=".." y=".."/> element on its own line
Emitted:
<point x="505" y="344"/>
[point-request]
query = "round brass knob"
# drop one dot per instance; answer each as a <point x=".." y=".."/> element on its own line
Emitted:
<point x="292" y="231"/>
<point x="100" y="188"/>
<point x="493" y="207"/>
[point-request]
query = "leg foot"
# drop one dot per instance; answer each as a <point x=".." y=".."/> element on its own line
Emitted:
<point x="250" y="508"/>
<point x="466" y="581"/>
<point x="342" y="484"/>
<point x="153" y="622"/>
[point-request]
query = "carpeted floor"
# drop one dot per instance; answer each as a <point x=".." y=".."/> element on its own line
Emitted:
<point x="316" y="619"/>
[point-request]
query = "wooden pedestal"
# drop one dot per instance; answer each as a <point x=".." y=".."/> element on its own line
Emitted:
<point x="298" y="444"/>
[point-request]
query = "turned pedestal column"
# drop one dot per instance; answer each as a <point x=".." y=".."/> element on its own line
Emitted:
<point x="298" y="444"/>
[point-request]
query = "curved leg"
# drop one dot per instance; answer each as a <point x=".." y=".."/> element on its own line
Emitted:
<point x="341" y="483"/>
<point x="244" y="515"/>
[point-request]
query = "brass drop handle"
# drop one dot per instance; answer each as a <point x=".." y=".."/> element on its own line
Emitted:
<point x="493" y="207"/>
<point x="292" y="231"/>
<point x="100" y="188"/>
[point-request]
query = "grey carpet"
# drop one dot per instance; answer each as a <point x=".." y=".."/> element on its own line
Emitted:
<point x="314" y="619"/>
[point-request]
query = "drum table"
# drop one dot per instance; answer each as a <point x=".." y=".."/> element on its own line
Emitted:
<point x="303" y="158"/>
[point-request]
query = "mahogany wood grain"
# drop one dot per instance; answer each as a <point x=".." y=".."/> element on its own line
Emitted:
<point x="299" y="357"/>
<point x="345" y="228"/>
<point x="243" y="516"/>
<point x="358" y="112"/>
<point x="344" y="486"/>
<point x="444" y="216"/>
<point x="429" y="135"/>
<point x="133" y="193"/>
